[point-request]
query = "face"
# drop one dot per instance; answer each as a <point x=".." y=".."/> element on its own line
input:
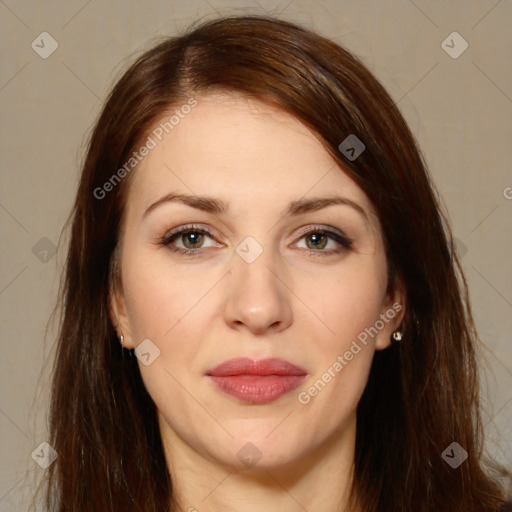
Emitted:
<point x="274" y="253"/>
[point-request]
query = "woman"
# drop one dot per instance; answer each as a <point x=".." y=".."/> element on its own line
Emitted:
<point x="256" y="226"/>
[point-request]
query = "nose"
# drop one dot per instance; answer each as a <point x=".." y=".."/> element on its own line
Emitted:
<point x="257" y="297"/>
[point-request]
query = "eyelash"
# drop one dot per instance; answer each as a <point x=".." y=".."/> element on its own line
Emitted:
<point x="168" y="238"/>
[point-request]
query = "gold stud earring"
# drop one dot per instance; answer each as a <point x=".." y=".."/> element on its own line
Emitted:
<point x="396" y="336"/>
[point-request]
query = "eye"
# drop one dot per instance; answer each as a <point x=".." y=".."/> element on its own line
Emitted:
<point x="192" y="238"/>
<point x="317" y="238"/>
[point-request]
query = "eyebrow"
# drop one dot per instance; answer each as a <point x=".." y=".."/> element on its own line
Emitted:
<point x="218" y="207"/>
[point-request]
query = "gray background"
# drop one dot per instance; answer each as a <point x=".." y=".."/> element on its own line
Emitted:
<point x="460" y="110"/>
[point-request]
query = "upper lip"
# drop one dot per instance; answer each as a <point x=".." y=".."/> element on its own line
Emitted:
<point x="247" y="366"/>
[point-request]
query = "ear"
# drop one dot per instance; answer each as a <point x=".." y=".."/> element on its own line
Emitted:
<point x="392" y="314"/>
<point x="116" y="303"/>
<point x="119" y="317"/>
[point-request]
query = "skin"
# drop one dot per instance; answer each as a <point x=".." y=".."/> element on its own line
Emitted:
<point x="303" y="306"/>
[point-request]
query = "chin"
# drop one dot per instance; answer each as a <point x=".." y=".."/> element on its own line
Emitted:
<point x="255" y="452"/>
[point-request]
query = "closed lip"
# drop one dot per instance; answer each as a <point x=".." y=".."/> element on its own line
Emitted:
<point x="262" y="367"/>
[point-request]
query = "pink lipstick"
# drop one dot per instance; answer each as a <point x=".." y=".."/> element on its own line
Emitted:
<point x="256" y="382"/>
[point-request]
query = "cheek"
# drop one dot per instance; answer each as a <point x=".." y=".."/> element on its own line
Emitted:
<point x="169" y="307"/>
<point x="158" y="297"/>
<point x="348" y="302"/>
<point x="163" y="305"/>
<point x="347" y="299"/>
<point x="343" y="354"/>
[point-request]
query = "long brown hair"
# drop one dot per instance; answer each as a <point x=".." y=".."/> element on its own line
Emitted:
<point x="422" y="393"/>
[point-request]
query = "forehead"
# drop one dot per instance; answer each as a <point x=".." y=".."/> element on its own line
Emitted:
<point x="241" y="150"/>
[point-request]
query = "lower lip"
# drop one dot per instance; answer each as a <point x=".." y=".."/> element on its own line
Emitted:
<point x="257" y="389"/>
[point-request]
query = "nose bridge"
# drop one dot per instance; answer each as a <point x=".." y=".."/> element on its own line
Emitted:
<point x="257" y="298"/>
<point x="253" y="263"/>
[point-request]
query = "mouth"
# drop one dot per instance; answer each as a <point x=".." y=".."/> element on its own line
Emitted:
<point x="256" y="382"/>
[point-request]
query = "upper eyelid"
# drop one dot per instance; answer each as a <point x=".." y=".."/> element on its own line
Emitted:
<point x="184" y="229"/>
